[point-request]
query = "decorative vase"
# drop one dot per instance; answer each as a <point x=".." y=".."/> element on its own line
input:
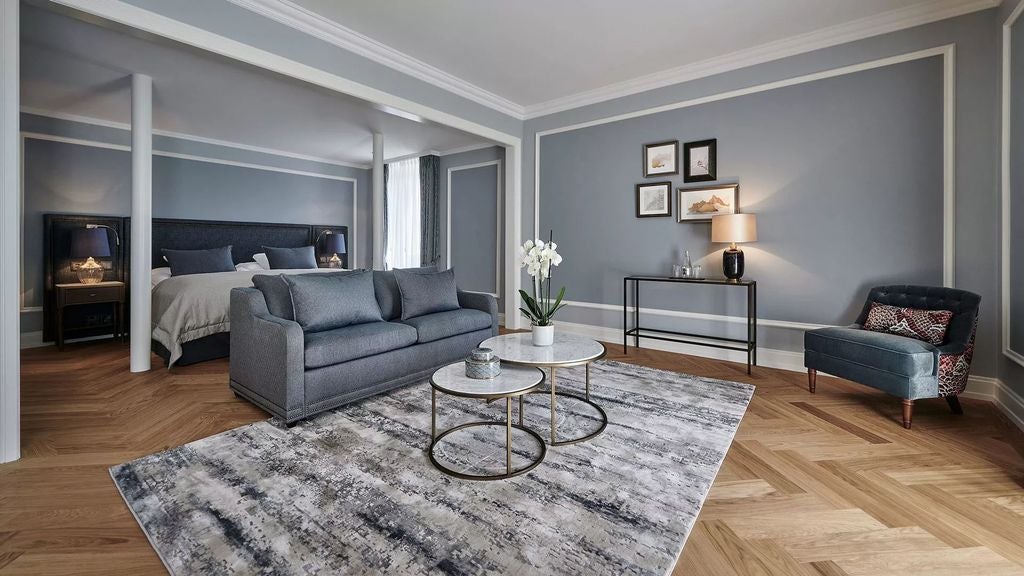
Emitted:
<point x="543" y="335"/>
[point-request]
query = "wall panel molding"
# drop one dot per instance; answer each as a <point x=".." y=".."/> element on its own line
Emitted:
<point x="1005" y="183"/>
<point x="448" y="237"/>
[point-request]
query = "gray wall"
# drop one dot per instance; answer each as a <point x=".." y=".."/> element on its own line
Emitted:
<point x="76" y="178"/>
<point x="475" y="200"/>
<point x="977" y="239"/>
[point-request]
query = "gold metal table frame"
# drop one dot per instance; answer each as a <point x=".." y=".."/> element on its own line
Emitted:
<point x="508" y="424"/>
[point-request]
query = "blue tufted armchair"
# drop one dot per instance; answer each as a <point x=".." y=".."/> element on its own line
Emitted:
<point x="902" y="366"/>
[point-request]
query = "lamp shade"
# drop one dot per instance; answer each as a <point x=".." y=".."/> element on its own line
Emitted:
<point x="334" y="244"/>
<point x="734" y="228"/>
<point x="89" y="243"/>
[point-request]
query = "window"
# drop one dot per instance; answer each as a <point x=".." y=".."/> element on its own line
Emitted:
<point x="403" y="214"/>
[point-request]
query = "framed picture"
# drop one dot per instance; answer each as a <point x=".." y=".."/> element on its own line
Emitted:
<point x="661" y="158"/>
<point x="700" y="161"/>
<point x="700" y="204"/>
<point x="654" y="199"/>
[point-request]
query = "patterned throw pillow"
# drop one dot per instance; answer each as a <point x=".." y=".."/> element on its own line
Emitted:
<point x="927" y="325"/>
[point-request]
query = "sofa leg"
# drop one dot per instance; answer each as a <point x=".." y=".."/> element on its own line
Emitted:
<point x="908" y="412"/>
<point x="812" y="379"/>
<point x="954" y="404"/>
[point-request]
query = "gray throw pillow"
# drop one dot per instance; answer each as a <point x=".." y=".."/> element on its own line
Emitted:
<point x="328" y="301"/>
<point x="184" y="262"/>
<point x="277" y="294"/>
<point x="426" y="292"/>
<point x="388" y="296"/>
<point x="290" y="258"/>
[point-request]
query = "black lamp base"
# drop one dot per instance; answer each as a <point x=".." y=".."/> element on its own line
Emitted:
<point x="732" y="264"/>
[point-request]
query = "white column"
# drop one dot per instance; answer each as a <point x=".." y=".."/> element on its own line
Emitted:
<point x="378" y="201"/>
<point x="142" y="220"/>
<point x="513" y="237"/>
<point x="10" y="236"/>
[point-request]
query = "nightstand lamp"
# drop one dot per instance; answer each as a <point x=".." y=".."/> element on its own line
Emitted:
<point x="733" y="228"/>
<point x="334" y="244"/>
<point x="90" y="243"/>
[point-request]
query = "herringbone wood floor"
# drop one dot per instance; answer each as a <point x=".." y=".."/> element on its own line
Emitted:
<point x="825" y="484"/>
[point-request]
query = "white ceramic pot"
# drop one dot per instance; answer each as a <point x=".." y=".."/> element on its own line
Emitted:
<point x="543" y="335"/>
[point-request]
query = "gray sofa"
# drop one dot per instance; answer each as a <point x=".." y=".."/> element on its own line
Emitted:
<point x="294" y="374"/>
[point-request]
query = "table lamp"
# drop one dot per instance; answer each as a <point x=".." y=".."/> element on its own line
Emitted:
<point x="733" y="228"/>
<point x="334" y="244"/>
<point x="90" y="243"/>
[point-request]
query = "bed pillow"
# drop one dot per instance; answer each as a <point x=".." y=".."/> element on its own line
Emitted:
<point x="261" y="259"/>
<point x="158" y="275"/>
<point x="927" y="325"/>
<point x="248" y="267"/>
<point x="388" y="296"/>
<point x="290" y="258"/>
<point x="184" y="262"/>
<point x="426" y="292"/>
<point x="329" y="301"/>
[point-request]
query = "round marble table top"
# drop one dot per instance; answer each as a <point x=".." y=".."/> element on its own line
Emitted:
<point x="513" y="381"/>
<point x="567" y="349"/>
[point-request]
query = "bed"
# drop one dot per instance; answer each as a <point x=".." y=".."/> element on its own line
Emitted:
<point x="191" y="313"/>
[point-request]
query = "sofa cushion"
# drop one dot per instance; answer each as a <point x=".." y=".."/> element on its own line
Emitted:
<point x="328" y="301"/>
<point x="300" y="258"/>
<point x="927" y="325"/>
<point x="358" y="341"/>
<point x="278" y="295"/>
<point x="880" y="351"/>
<point x="426" y="292"/>
<point x="386" y="288"/>
<point x="184" y="262"/>
<point x="438" y="325"/>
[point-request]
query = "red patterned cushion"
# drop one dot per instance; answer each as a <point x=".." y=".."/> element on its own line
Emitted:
<point x="927" y="325"/>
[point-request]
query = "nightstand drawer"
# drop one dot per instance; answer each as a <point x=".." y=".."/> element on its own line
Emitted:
<point x="86" y="295"/>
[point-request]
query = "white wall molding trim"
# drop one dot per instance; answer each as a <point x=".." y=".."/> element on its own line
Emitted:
<point x="875" y="25"/>
<point x="317" y="26"/>
<point x="978" y="387"/>
<point x="947" y="52"/>
<point x="10" y="234"/>
<point x="191" y="138"/>
<point x="696" y="316"/>
<point x="1005" y="185"/>
<point x="353" y="231"/>
<point x="448" y="224"/>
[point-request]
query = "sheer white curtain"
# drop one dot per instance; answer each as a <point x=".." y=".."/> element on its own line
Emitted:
<point x="403" y="212"/>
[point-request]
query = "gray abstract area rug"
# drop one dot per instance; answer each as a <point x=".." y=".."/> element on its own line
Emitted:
<point x="352" y="491"/>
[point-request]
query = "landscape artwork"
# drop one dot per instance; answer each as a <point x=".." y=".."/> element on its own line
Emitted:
<point x="700" y="204"/>
<point x="661" y="158"/>
<point x="654" y="199"/>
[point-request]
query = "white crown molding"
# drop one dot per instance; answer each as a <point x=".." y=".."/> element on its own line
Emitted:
<point x="311" y="23"/>
<point x="875" y="25"/>
<point x="189" y="137"/>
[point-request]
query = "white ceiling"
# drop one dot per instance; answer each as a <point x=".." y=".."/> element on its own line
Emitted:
<point x="72" y="67"/>
<point x="536" y="53"/>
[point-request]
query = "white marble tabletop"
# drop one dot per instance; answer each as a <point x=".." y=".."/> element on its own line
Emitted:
<point x="513" y="379"/>
<point x="566" y="349"/>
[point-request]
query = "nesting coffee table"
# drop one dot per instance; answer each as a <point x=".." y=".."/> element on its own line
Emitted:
<point x="567" y="350"/>
<point x="514" y="381"/>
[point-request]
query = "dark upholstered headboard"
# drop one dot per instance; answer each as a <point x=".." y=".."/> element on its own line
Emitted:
<point x="245" y="238"/>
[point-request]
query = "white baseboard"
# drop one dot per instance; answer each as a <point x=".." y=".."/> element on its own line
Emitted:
<point x="978" y="387"/>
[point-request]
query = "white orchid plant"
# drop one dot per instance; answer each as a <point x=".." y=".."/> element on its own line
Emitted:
<point x="538" y="257"/>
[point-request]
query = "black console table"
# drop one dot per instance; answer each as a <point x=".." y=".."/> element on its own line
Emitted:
<point x="749" y="345"/>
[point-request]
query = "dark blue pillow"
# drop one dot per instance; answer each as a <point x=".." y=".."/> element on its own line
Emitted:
<point x="426" y="292"/>
<point x="290" y="258"/>
<point x="184" y="262"/>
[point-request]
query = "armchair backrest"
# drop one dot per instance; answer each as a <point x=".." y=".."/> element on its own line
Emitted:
<point x="963" y="304"/>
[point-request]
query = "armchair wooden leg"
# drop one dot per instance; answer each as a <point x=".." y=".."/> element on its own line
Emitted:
<point x="908" y="412"/>
<point x="812" y="379"/>
<point x="954" y="404"/>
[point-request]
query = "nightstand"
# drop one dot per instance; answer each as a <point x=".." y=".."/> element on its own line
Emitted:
<point x="100" y="293"/>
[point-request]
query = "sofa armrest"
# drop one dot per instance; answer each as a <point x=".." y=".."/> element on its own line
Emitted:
<point x="484" y="303"/>
<point x="267" y="356"/>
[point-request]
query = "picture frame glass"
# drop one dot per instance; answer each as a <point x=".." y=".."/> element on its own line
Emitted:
<point x="700" y="204"/>
<point x="700" y="161"/>
<point x="661" y="159"/>
<point x="653" y="200"/>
